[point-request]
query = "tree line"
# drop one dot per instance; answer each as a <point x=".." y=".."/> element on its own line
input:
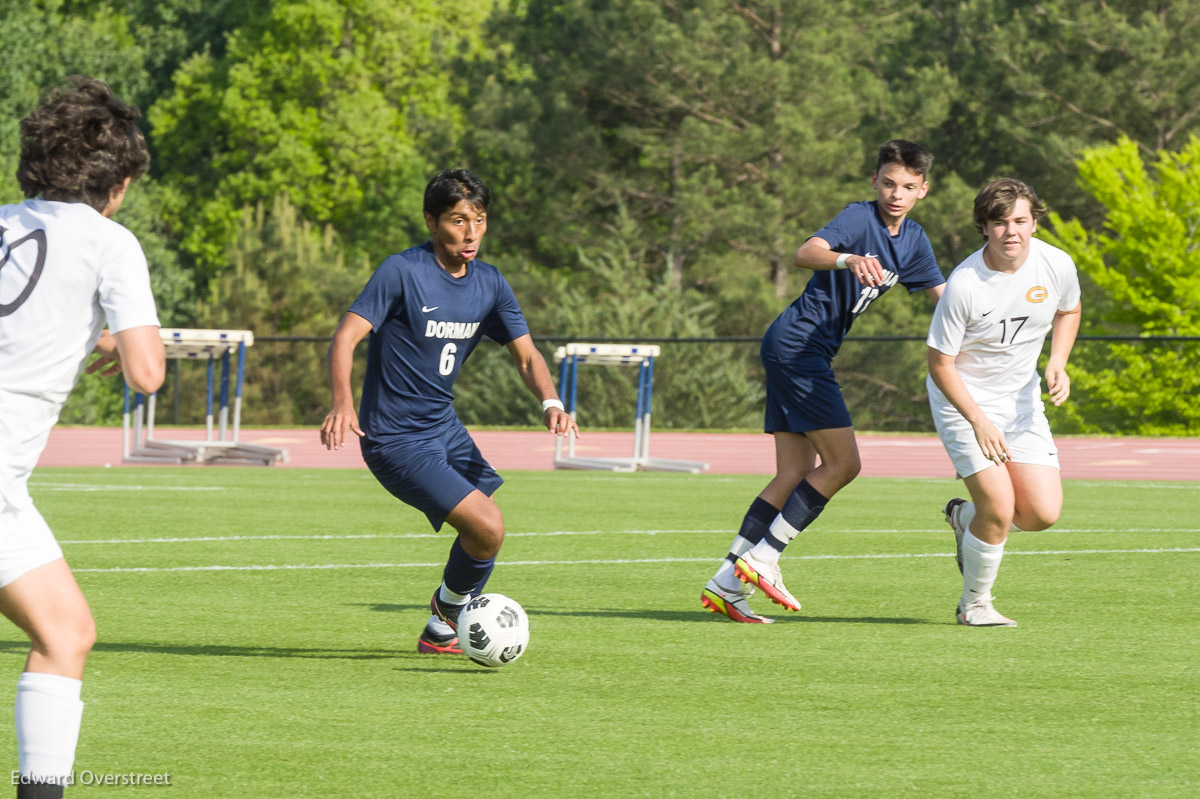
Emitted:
<point x="654" y="164"/>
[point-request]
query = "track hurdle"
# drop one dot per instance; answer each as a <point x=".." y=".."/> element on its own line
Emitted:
<point x="138" y="418"/>
<point x="569" y="359"/>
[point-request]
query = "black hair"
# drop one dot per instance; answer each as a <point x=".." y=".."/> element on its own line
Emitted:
<point x="908" y="154"/>
<point x="80" y="144"/>
<point x="450" y="187"/>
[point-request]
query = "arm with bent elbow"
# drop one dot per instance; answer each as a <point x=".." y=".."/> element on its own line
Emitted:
<point x="136" y="351"/>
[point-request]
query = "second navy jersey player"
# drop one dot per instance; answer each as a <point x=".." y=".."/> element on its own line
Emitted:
<point x="821" y="317"/>
<point x="864" y="251"/>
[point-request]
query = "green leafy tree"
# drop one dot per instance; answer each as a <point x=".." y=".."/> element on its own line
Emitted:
<point x="343" y="104"/>
<point x="695" y="385"/>
<point x="727" y="130"/>
<point x="1143" y="265"/>
<point x="287" y="276"/>
<point x="1033" y="84"/>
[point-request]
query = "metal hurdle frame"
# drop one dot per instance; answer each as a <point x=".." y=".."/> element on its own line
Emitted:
<point x="569" y="358"/>
<point x="141" y="446"/>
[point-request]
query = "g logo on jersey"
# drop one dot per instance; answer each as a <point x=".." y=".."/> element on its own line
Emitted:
<point x="39" y="237"/>
<point x="1037" y="294"/>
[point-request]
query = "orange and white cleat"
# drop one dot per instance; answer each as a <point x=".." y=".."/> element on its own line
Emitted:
<point x="766" y="576"/>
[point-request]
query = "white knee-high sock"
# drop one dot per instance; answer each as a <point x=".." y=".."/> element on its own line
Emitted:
<point x="48" y="713"/>
<point x="726" y="577"/>
<point x="981" y="563"/>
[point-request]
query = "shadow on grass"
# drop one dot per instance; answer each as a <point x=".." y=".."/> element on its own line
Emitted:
<point x="672" y="615"/>
<point x="222" y="650"/>
<point x="461" y="665"/>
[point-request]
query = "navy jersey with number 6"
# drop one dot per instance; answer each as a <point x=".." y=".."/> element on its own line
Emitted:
<point x="425" y="324"/>
<point x="817" y="322"/>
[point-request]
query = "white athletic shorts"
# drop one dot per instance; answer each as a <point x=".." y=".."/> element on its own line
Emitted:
<point x="25" y="541"/>
<point x="1027" y="434"/>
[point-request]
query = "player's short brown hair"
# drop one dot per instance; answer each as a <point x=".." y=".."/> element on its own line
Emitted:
<point x="997" y="198"/>
<point x="79" y="144"/>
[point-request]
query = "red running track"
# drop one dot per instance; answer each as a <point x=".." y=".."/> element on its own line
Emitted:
<point x="726" y="453"/>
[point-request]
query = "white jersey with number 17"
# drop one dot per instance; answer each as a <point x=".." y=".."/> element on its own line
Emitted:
<point x="65" y="271"/>
<point x="995" y="324"/>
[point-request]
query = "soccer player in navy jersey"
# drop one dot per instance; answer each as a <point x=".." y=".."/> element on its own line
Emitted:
<point x="867" y="248"/>
<point x="426" y="309"/>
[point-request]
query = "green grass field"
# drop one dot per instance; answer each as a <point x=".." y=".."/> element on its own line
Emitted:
<point x="258" y="638"/>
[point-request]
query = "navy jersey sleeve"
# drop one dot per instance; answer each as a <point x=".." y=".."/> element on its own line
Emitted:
<point x="922" y="270"/>
<point x="380" y="297"/>
<point x="846" y="229"/>
<point x="506" y="322"/>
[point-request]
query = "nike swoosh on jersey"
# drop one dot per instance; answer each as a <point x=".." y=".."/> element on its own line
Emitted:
<point x="426" y="309"/>
<point x="987" y="313"/>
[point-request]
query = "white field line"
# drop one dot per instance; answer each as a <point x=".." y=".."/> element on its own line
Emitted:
<point x="547" y="534"/>
<point x="90" y="487"/>
<point x="597" y="562"/>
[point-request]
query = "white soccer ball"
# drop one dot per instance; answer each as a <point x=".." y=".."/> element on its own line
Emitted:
<point x="493" y="630"/>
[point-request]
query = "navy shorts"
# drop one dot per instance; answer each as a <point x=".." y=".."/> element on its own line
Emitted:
<point x="803" y="396"/>
<point x="431" y="471"/>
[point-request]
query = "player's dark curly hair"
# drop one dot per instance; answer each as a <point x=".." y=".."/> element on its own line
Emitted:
<point x="908" y="154"/>
<point x="450" y="187"/>
<point x="79" y="144"/>
<point x="997" y="198"/>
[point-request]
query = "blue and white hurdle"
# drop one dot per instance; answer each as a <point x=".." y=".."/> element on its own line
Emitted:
<point x="574" y="355"/>
<point x="138" y="418"/>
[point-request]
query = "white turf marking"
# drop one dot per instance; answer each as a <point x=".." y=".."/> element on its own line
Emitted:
<point x="85" y="487"/>
<point x="547" y="534"/>
<point x="619" y="562"/>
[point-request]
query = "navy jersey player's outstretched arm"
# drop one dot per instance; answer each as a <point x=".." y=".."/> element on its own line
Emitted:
<point x="533" y="370"/>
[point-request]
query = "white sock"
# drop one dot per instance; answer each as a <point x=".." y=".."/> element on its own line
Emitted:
<point x="782" y="532"/>
<point x="981" y="563"/>
<point x="451" y="598"/>
<point x="725" y="576"/>
<point x="724" y="573"/>
<point x="438" y="627"/>
<point x="48" y="713"/>
<point x="738" y="547"/>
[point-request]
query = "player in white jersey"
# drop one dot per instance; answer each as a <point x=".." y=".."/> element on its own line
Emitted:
<point x="66" y="269"/>
<point x="984" y="341"/>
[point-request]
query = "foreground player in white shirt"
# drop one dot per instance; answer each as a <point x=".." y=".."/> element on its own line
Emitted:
<point x="65" y="270"/>
<point x="984" y="341"/>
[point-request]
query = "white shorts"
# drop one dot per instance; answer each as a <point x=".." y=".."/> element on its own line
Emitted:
<point x="1028" y="437"/>
<point x="25" y="541"/>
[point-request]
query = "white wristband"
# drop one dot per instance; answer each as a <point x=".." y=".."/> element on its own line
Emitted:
<point x="842" y="259"/>
<point x="552" y="403"/>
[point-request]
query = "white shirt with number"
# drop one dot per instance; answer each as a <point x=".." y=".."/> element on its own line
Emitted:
<point x="65" y="271"/>
<point x="995" y="323"/>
